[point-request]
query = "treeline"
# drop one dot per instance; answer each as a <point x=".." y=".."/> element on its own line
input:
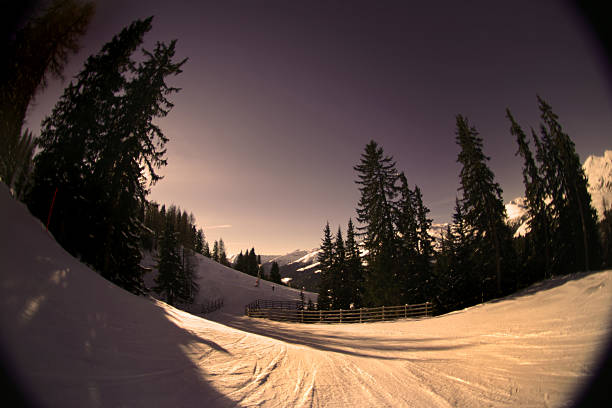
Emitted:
<point x="155" y="219"/>
<point x="250" y="263"/>
<point x="478" y="257"/>
<point x="341" y="284"/>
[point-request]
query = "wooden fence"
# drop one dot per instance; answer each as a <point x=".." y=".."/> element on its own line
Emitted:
<point x="201" y="308"/>
<point x="295" y="312"/>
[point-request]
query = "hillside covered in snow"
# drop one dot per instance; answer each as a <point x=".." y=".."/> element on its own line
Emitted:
<point x="70" y="338"/>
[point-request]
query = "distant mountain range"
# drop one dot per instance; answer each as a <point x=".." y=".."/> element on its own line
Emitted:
<point x="300" y="267"/>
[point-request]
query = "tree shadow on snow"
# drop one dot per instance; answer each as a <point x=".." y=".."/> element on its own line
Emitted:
<point x="375" y="346"/>
<point x="70" y="338"/>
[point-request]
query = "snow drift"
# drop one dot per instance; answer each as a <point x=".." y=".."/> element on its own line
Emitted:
<point x="70" y="338"/>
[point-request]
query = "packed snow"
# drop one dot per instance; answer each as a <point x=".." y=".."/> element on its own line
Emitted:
<point x="72" y="339"/>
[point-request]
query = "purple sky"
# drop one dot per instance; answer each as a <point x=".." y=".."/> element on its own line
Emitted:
<point x="280" y="98"/>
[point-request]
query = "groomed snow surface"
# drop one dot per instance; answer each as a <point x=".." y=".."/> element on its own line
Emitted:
<point x="71" y="339"/>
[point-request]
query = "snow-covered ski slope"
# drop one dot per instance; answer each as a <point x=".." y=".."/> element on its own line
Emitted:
<point x="235" y="288"/>
<point x="73" y="339"/>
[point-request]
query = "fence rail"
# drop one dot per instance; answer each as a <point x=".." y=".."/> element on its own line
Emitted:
<point x="292" y="312"/>
<point x="201" y="308"/>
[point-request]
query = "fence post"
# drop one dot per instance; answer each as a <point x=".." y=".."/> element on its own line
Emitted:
<point x="405" y="310"/>
<point x="426" y="309"/>
<point x="383" y="313"/>
<point x="360" y="309"/>
<point x="320" y="315"/>
<point x="340" y="315"/>
<point x="302" y="315"/>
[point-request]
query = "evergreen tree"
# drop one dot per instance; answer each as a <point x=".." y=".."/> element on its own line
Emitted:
<point x="458" y="280"/>
<point x="239" y="264"/>
<point x="262" y="273"/>
<point x="251" y="263"/>
<point x="222" y="255"/>
<point x="275" y="273"/>
<point x="95" y="149"/>
<point x="38" y="49"/>
<point x="376" y="177"/>
<point x="188" y="277"/>
<point x="169" y="266"/>
<point x="339" y="283"/>
<point x="483" y="208"/>
<point x="326" y="261"/>
<point x="574" y="219"/>
<point x="199" y="241"/>
<point x="354" y="269"/>
<point x="206" y="250"/>
<point x="538" y="240"/>
<point x="425" y="252"/>
<point x="407" y="242"/>
<point x="215" y="252"/>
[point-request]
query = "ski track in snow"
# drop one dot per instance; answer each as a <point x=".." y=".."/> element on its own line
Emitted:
<point x="74" y="339"/>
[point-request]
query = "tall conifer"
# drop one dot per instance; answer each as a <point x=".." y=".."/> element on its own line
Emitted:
<point x="574" y="218"/>
<point x="483" y="206"/>
<point x="326" y="261"/>
<point x="339" y="278"/>
<point x="539" y="245"/>
<point x="376" y="179"/>
<point x="354" y="279"/>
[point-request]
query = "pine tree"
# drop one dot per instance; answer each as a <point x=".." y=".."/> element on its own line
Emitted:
<point x="574" y="219"/>
<point x="539" y="237"/>
<point x="239" y="264"/>
<point x="407" y="241"/>
<point x="38" y="49"/>
<point x="376" y="177"/>
<point x="275" y="273"/>
<point x="458" y="280"/>
<point x="339" y="283"/>
<point x="222" y="255"/>
<point x="199" y="241"/>
<point x="326" y="261"/>
<point x="354" y="280"/>
<point x="483" y="207"/>
<point x="425" y="253"/>
<point x="251" y="263"/>
<point x="188" y="276"/>
<point x="262" y="273"/>
<point x="95" y="149"/>
<point x="215" y="252"/>
<point x="206" y="250"/>
<point x="169" y="266"/>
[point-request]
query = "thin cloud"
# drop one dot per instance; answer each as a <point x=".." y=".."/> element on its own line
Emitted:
<point x="219" y="226"/>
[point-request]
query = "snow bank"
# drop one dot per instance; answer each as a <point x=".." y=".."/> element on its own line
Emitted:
<point x="73" y="339"/>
